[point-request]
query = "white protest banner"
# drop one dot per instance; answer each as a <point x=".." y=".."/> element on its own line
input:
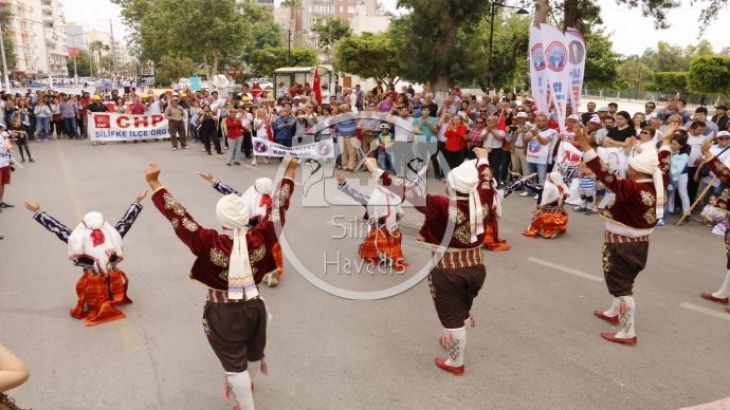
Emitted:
<point x="538" y="80"/>
<point x="615" y="158"/>
<point x="106" y="127"/>
<point x="576" y="64"/>
<point x="321" y="149"/>
<point x="556" y="61"/>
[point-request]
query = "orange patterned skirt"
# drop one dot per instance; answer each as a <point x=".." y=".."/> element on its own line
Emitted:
<point x="548" y="223"/>
<point x="119" y="284"/>
<point x="94" y="300"/>
<point x="491" y="237"/>
<point x="381" y="244"/>
<point x="279" y="258"/>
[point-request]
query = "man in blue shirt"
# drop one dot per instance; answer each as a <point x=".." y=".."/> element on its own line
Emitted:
<point x="284" y="128"/>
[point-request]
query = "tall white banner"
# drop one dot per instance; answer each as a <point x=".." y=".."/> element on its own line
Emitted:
<point x="107" y="126"/>
<point x="556" y="61"/>
<point x="538" y="80"/>
<point x="576" y="65"/>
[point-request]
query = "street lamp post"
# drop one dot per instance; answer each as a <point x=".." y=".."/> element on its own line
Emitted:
<point x="491" y="37"/>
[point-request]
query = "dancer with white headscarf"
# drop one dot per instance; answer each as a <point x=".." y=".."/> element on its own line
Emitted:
<point x="231" y="265"/>
<point x="382" y="244"/>
<point x="630" y="218"/>
<point x="550" y="218"/>
<point x="454" y="228"/>
<point x="95" y="246"/>
<point x="258" y="198"/>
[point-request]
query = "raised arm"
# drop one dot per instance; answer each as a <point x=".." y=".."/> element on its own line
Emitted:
<point x="721" y="171"/>
<point x="266" y="230"/>
<point x="486" y="178"/>
<point x="125" y="224"/>
<point x="353" y="193"/>
<point x="194" y="236"/>
<point x="53" y="225"/>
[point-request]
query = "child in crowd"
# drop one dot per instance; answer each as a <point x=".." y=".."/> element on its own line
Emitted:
<point x="586" y="189"/>
<point x="711" y="215"/>
<point x="385" y="158"/>
<point x="19" y="134"/>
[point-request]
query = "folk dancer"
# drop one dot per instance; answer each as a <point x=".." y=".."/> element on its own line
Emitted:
<point x="258" y="198"/>
<point x="96" y="247"/>
<point x="492" y="241"/>
<point x="454" y="228"/>
<point x="630" y="219"/>
<point x="231" y="264"/>
<point x="722" y="172"/>
<point x="550" y="219"/>
<point x="383" y="211"/>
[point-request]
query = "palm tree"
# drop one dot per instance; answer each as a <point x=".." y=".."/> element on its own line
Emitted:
<point x="98" y="46"/>
<point x="295" y="6"/>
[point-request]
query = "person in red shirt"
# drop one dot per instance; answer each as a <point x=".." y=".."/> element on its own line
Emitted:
<point x="138" y="106"/>
<point x="84" y="102"/>
<point x="456" y="136"/>
<point x="234" y="132"/>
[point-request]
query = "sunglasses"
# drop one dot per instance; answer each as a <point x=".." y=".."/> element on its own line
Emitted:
<point x="723" y="138"/>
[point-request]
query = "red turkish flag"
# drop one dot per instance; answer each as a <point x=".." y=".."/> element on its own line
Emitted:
<point x="316" y="87"/>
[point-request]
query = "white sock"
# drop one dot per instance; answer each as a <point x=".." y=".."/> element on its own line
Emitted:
<point x="613" y="310"/>
<point x="456" y="352"/>
<point x="725" y="289"/>
<point x="241" y="386"/>
<point x="627" y="315"/>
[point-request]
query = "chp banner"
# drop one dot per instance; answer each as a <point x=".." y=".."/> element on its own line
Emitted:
<point x="106" y="127"/>
<point x="538" y="79"/>
<point x="556" y="61"/>
<point x="576" y="65"/>
<point x="321" y="149"/>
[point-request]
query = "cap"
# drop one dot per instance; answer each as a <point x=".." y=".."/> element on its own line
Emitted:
<point x="183" y="95"/>
<point x="574" y="117"/>
<point x="96" y="97"/>
<point x="296" y="97"/>
<point x="383" y="126"/>
<point x="723" y="134"/>
<point x="521" y="114"/>
<point x="168" y="91"/>
<point x="143" y="96"/>
<point x="595" y="119"/>
<point x="245" y="98"/>
<point x="603" y="109"/>
<point x="721" y="107"/>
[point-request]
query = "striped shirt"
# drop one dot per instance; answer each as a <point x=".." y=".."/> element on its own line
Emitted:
<point x="587" y="183"/>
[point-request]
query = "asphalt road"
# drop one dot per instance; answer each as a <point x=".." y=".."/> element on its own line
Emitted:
<point x="536" y="344"/>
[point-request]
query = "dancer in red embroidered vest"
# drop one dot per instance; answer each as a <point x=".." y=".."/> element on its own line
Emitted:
<point x="95" y="246"/>
<point x="722" y="172"/>
<point x="459" y="272"/>
<point x="630" y="219"/>
<point x="383" y="241"/>
<point x="258" y="198"/>
<point x="550" y="218"/>
<point x="231" y="265"/>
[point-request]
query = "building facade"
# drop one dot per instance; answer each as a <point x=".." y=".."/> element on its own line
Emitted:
<point x="54" y="22"/>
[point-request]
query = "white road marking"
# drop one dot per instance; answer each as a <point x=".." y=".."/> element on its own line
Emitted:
<point x="699" y="309"/>
<point x="566" y="269"/>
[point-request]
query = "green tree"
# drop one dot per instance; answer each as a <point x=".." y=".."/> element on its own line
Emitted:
<point x="368" y="56"/>
<point x="634" y="74"/>
<point x="710" y="75"/>
<point x="331" y="30"/>
<point x="510" y="43"/>
<point x="97" y="47"/>
<point x="84" y="64"/>
<point x="676" y="82"/>
<point x="174" y="67"/>
<point x="265" y="61"/>
<point x="8" y="44"/>
<point x="437" y="42"/>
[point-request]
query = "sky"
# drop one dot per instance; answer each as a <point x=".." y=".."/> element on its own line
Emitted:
<point x="630" y="32"/>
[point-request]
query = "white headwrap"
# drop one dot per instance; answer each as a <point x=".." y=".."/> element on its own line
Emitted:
<point x="647" y="162"/>
<point x="258" y="197"/>
<point x="233" y="213"/>
<point x="96" y="239"/>
<point x="385" y="204"/>
<point x="465" y="179"/>
<point x="554" y="189"/>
